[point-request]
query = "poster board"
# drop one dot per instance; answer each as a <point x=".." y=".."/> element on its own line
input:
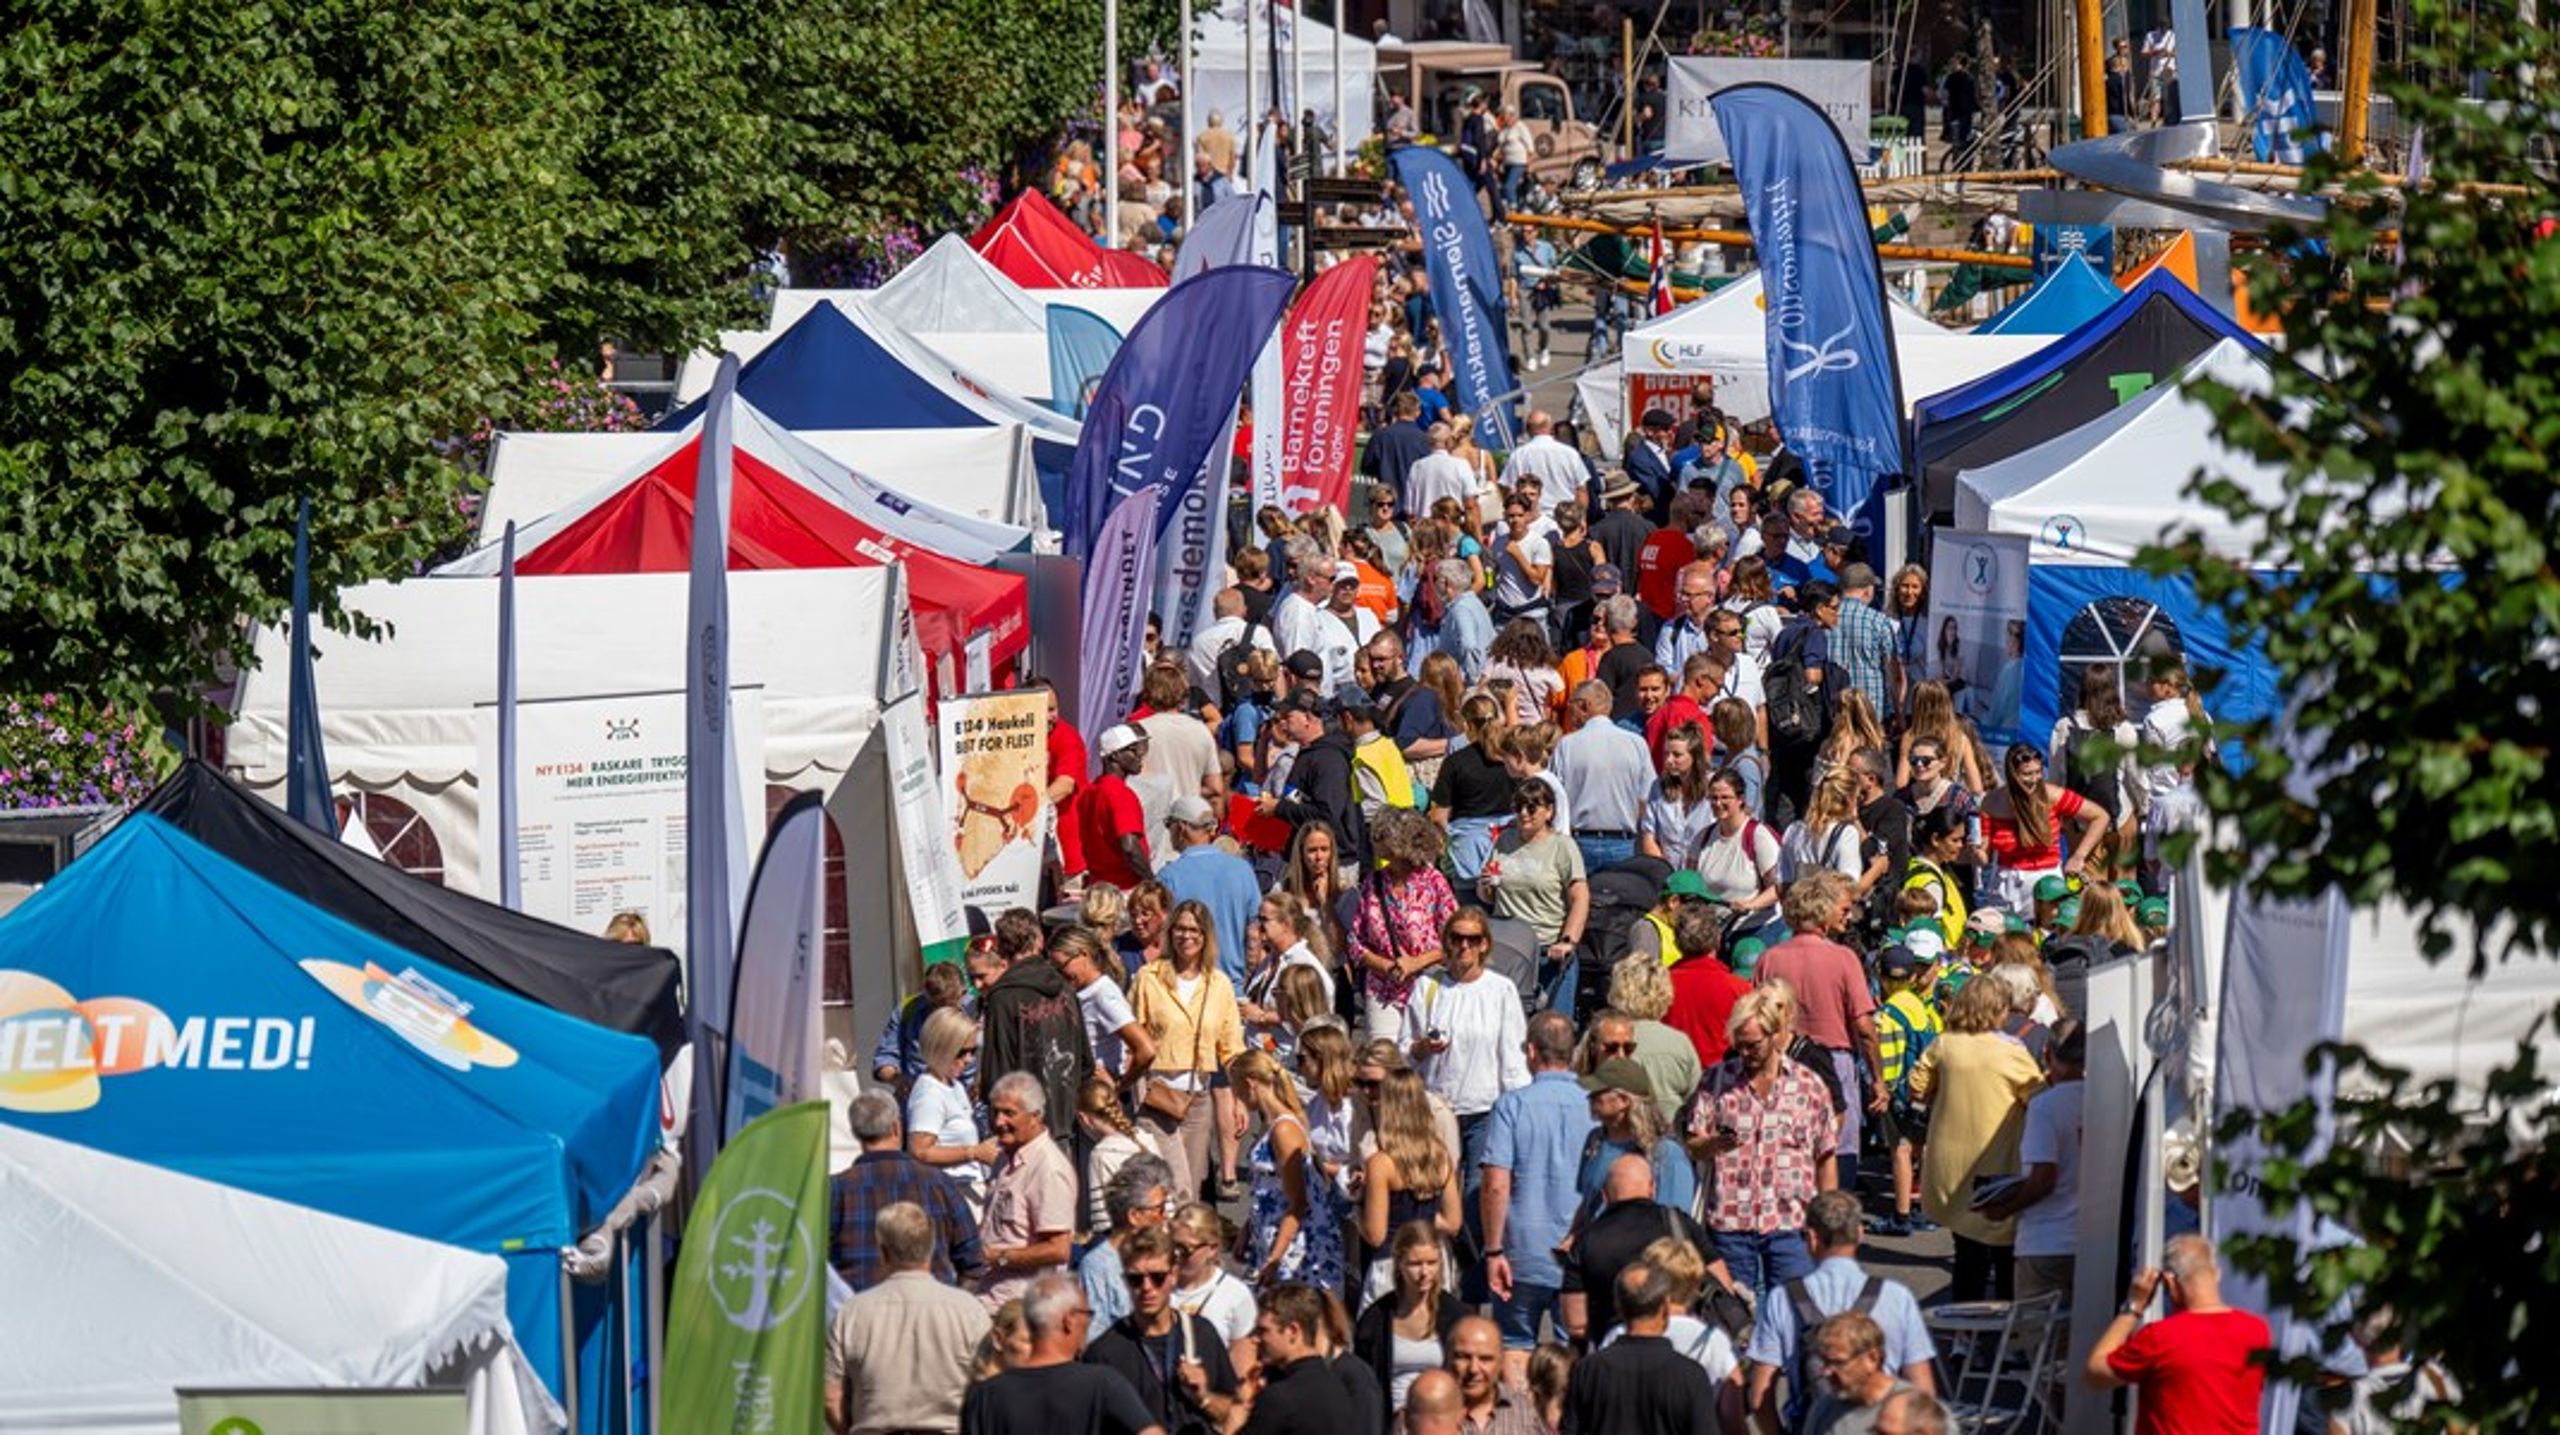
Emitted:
<point x="1978" y="627"/>
<point x="324" y="1412"/>
<point x="995" y="771"/>
<point x="600" y="804"/>
<point x="1839" y="88"/>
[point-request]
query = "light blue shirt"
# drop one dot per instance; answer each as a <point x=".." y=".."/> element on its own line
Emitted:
<point x="1106" y="1290"/>
<point x="1675" y="1177"/>
<point x="1536" y="1133"/>
<point x="1466" y="634"/>
<point x="1224" y="884"/>
<point x="1834" y="1286"/>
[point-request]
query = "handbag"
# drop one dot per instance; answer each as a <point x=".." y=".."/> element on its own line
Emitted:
<point x="1163" y="1097"/>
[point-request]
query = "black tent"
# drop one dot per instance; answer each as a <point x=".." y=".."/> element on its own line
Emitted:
<point x="612" y="984"/>
<point x="2146" y="338"/>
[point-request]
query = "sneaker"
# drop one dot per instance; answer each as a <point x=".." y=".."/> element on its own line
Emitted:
<point x="1919" y="1224"/>
<point x="1545" y="358"/>
<point x="1894" y="1226"/>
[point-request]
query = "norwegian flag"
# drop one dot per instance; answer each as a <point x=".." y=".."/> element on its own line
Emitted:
<point x="1660" y="291"/>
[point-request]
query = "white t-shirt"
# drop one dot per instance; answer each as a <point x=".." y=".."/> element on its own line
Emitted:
<point x="1760" y="625"/>
<point x="1558" y="469"/>
<point x="1301" y="626"/>
<point x="1225" y="1302"/>
<point x="1731" y="874"/>
<point x="1437" y="475"/>
<point x="1486" y="1032"/>
<point x="943" y="1112"/>
<point x="1106" y="1014"/>
<point x="1742" y="679"/>
<point x="1200" y="660"/>
<point x="1840" y="849"/>
<point x="1694" y="1338"/>
<point x="2049" y="1227"/>
<point x="2167" y="726"/>
<point x="1512" y="585"/>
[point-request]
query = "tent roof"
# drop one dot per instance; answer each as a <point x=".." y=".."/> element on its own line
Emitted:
<point x="172" y="1006"/>
<point x="1739" y="308"/>
<point x="2072" y="295"/>
<point x="791" y="507"/>
<point x="1040" y="248"/>
<point x="951" y="288"/>
<point x="2102" y="492"/>
<point x="613" y="984"/>
<point x="827" y="372"/>
<point x="2178" y="262"/>
<point x="153" y="1280"/>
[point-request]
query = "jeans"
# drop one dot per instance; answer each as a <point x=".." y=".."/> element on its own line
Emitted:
<point x="1513" y="177"/>
<point x="1470" y="843"/>
<point x="1599" y="852"/>
<point x="1983" y="1272"/>
<point x="1557" y="983"/>
<point x="1518" y="1318"/>
<point x="1762" y="1263"/>
<point x="1471" y="1283"/>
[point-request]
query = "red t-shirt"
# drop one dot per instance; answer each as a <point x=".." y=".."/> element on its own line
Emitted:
<point x="1675" y="710"/>
<point x="1111" y="812"/>
<point x="1658" y="565"/>
<point x="1067" y="759"/>
<point x="1830" y="983"/>
<point x="1703" y="991"/>
<point x="2195" y="1373"/>
<point x="2002" y="834"/>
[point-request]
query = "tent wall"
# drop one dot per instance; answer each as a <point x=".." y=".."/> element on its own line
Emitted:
<point x="2056" y="593"/>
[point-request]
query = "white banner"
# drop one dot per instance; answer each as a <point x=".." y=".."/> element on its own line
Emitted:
<point x="774" y="1035"/>
<point x="995" y="765"/>
<point x="1838" y="87"/>
<point x="1978" y="628"/>
<point x="932" y="876"/>
<point x="600" y="805"/>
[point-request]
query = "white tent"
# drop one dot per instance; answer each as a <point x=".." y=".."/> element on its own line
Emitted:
<point x="982" y="473"/>
<point x="399" y="716"/>
<point x="1306" y="48"/>
<point x="949" y="289"/>
<point x="2102" y="492"/>
<point x="128" y="1281"/>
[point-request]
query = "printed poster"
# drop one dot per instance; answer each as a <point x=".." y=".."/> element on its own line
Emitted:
<point x="1978" y="628"/>
<point x="995" y="770"/>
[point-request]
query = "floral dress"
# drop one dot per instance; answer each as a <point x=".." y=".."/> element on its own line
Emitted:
<point x="1315" y="1256"/>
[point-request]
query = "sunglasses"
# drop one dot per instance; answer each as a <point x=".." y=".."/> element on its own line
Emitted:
<point x="1187" y="1250"/>
<point x="1617" y="1048"/>
<point x="1470" y="939"/>
<point x="1370" y="1084"/>
<point x="1924" y="759"/>
<point x="1150" y="1278"/>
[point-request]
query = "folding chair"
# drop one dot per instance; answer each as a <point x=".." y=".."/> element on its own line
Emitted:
<point x="1997" y="1359"/>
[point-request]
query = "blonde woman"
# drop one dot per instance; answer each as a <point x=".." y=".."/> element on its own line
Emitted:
<point x="1404" y="1330"/>
<point x="1854" y="726"/>
<point x="2103" y="915"/>
<point x="942" y="1121"/>
<point x="1462" y="447"/>
<point x="1410" y="1177"/>
<point x="1934" y="720"/>
<point x="1327" y="1067"/>
<point x="1304" y="997"/>
<point x="1190" y="1008"/>
<point x="1976" y="1081"/>
<point x="1640" y="991"/>
<point x="1294" y="1231"/>
<point x="1828" y="837"/>
<point x="1115" y="1139"/>
<point x="1202" y="1284"/>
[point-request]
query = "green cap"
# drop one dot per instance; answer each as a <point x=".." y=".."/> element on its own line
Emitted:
<point x="1684" y="883"/>
<point x="2067" y="913"/>
<point x="2054" y="888"/>
<point x="2152" y="912"/>
<point x="1619" y="1073"/>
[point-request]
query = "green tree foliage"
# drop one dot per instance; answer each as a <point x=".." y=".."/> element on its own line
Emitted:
<point x="2417" y="629"/>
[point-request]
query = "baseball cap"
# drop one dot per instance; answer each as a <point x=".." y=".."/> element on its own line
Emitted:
<point x="1926" y="941"/>
<point x="1656" y="419"/>
<point x="2152" y="912"/>
<point x="1837" y="536"/>
<point x="1986" y="923"/>
<point x="1305" y="666"/>
<point x="1684" y="883"/>
<point x="1607" y="581"/>
<point x="1192" y="810"/>
<point x="2053" y="888"/>
<point x="1899" y="961"/>
<point x="1344" y="572"/>
<point x="1301" y="701"/>
<point x="1619" y="1073"/>
<point x="1119" y="737"/>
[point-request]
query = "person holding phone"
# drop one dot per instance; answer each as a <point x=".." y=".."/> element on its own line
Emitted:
<point x="1467" y="1036"/>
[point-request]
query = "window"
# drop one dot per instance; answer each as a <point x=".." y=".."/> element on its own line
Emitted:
<point x="402" y="837"/>
<point x="2125" y="634"/>
<point x="1542" y="104"/>
<point x="836" y="960"/>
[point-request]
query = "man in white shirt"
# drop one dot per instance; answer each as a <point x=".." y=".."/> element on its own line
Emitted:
<point x="1522" y="566"/>
<point x="1464" y="1029"/>
<point x="1438" y="474"/>
<point x="1606" y="771"/>
<point x="1230" y="627"/>
<point x="1557" y="468"/>
<point x="1300" y="622"/>
<point x="1344" y="604"/>
<point x="2047" y="1201"/>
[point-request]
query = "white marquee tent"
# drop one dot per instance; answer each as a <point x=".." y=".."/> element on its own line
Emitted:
<point x="400" y="715"/>
<point x="1218" y="60"/>
<point x="128" y="1281"/>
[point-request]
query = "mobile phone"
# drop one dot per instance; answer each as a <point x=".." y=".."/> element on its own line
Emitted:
<point x="1973" y="830"/>
<point x="1436" y="1036"/>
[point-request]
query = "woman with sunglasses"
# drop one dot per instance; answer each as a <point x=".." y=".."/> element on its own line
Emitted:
<point x="942" y="1121"/>
<point x="2025" y="827"/>
<point x="1202" y="1284"/>
<point x="1294" y="1229"/>
<point x="1935" y="726"/>
<point x="1536" y="877"/>
<point x="1190" y="1008"/>
<point x="1285" y="934"/>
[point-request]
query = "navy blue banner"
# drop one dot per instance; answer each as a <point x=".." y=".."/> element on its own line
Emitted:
<point x="1163" y="404"/>
<point x="1221" y="235"/>
<point x="1466" y="288"/>
<point x="2275" y="86"/>
<point x="1834" y="386"/>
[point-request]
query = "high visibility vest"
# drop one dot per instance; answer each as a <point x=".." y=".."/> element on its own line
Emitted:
<point x="1951" y="913"/>
<point x="1379" y="765"/>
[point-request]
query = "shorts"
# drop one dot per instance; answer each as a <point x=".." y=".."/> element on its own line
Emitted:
<point x="1902" y="1124"/>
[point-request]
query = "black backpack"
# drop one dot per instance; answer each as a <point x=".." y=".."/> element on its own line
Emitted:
<point x="1795" y="708"/>
<point x="2096" y="777"/>
<point x="1620" y="895"/>
<point x="1234" y="683"/>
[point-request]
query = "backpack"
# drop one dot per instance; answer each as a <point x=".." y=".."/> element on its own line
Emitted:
<point x="1620" y="896"/>
<point x="2098" y="779"/>
<point x="1915" y="1041"/>
<point x="1794" y="705"/>
<point x="1234" y="683"/>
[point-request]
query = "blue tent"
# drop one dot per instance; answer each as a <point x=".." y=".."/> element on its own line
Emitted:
<point x="2154" y="330"/>
<point x="2062" y="301"/>
<point x="161" y="1002"/>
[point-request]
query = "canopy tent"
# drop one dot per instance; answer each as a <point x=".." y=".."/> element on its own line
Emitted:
<point x="169" y="1005"/>
<point x="1121" y="307"/>
<point x="949" y="289"/>
<point x="791" y="507"/>
<point x="613" y="984"/>
<point x="2157" y="327"/>
<point x="134" y="1281"/>
<point x="401" y="715"/>
<point x="2178" y="261"/>
<point x="2072" y="295"/>
<point x="1220" y="61"/>
<point x="1040" y="248"/>
<point x="981" y="473"/>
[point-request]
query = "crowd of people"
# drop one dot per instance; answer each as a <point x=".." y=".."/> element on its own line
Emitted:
<point x="1502" y="970"/>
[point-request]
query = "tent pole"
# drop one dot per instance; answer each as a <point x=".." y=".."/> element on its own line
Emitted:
<point x="654" y="1275"/>
<point x="1190" y="183"/>
<point x="622" y="1327"/>
<point x="2093" y="68"/>
<point x="1341" y="116"/>
<point x="568" y="1348"/>
<point x="1110" y="124"/>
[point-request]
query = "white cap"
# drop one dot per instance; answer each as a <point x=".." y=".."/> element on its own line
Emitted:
<point x="1120" y="736"/>
<point x="1192" y="810"/>
<point x="1344" y="573"/>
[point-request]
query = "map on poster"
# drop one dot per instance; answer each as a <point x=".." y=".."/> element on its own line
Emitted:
<point x="600" y="797"/>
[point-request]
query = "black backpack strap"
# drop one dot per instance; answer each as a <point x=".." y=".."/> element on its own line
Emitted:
<point x="1808" y="1315"/>
<point x="1868" y="1295"/>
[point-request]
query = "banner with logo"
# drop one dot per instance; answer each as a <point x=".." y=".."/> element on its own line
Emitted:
<point x="747" y="1312"/>
<point x="324" y="1412"/>
<point x="1322" y="345"/>
<point x="1081" y="344"/>
<point x="715" y="877"/>
<point x="2051" y="246"/>
<point x="1834" y="387"/>
<point x="1262" y="481"/>
<point x="2275" y="92"/>
<point x="1466" y="288"/>
<point x="1167" y="397"/>
<point x="774" y="1036"/>
<point x="995" y="768"/>
<point x="1977" y="628"/>
<point x="1191" y="546"/>
<point x="932" y="878"/>
<point x="600" y="824"/>
<point x="1691" y="134"/>
<point x="1115" y="612"/>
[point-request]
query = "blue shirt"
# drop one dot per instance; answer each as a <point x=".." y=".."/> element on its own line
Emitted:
<point x="1536" y="1133"/>
<point x="1834" y="1286"/>
<point x="1226" y="886"/>
<point x="1435" y="405"/>
<point x="1466" y="634"/>
<point x="1106" y="1290"/>
<point x="1675" y="1179"/>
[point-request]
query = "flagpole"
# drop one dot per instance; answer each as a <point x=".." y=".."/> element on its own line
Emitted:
<point x="1110" y="124"/>
<point x="1341" y="116"/>
<point x="510" y="861"/>
<point x="1190" y="181"/>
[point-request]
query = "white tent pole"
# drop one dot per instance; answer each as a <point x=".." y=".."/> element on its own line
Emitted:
<point x="1185" y="178"/>
<point x="1110" y="124"/>
<point x="1251" y="125"/>
<point x="1341" y="116"/>
<point x="568" y="1347"/>
<point x="655" y="1276"/>
<point x="1298" y="77"/>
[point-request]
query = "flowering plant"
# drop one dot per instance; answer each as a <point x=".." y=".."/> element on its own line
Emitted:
<point x="57" y="752"/>
<point x="1750" y="40"/>
<point x="867" y="257"/>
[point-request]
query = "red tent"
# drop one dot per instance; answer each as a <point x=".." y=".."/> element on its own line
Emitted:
<point x="1039" y="248"/>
